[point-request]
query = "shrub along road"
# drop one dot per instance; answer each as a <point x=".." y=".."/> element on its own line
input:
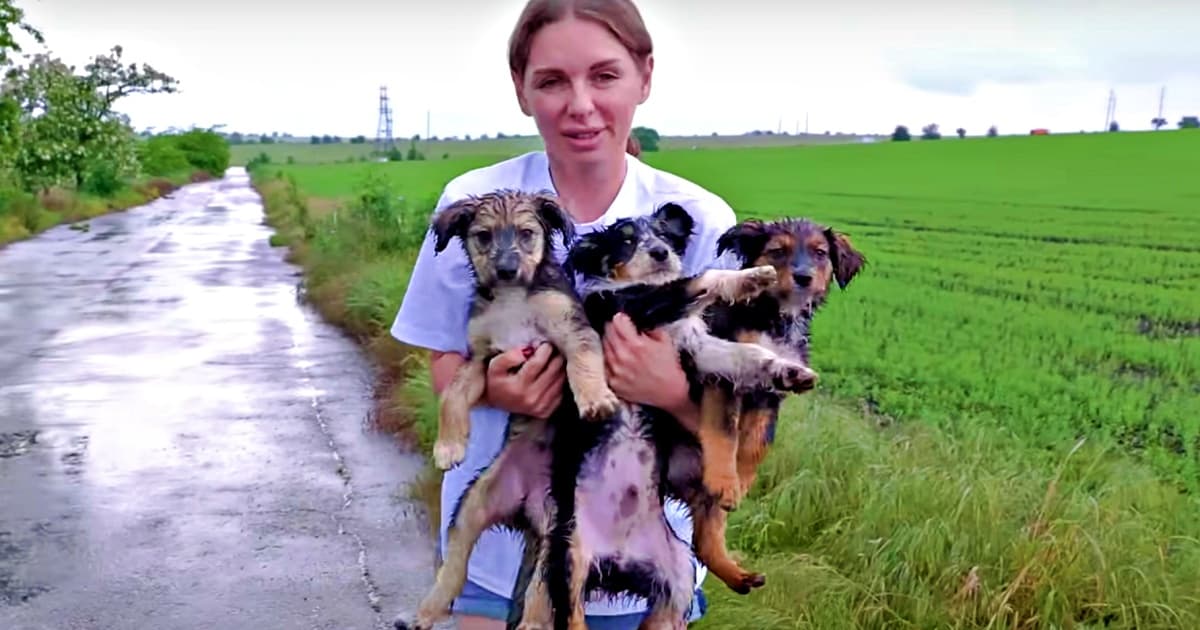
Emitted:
<point x="185" y="445"/>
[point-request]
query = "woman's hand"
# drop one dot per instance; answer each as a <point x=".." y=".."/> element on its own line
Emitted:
<point x="645" y="369"/>
<point x="527" y="384"/>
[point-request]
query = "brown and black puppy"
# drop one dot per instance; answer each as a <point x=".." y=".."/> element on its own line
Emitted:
<point x="808" y="258"/>
<point x="522" y="298"/>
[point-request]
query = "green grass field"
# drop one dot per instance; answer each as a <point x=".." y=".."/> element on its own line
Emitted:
<point x="1007" y="430"/>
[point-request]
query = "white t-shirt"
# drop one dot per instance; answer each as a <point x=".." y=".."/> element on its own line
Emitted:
<point x="434" y="313"/>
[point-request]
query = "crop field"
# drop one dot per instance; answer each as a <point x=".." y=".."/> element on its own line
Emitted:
<point x="1007" y="429"/>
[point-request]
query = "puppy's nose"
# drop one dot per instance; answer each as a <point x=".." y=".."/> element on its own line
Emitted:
<point x="801" y="279"/>
<point x="659" y="253"/>
<point x="506" y="274"/>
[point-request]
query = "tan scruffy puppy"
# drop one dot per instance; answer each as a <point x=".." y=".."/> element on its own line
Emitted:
<point x="522" y="298"/>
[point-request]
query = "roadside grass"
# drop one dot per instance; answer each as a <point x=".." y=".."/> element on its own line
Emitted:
<point x="24" y="215"/>
<point x="896" y="496"/>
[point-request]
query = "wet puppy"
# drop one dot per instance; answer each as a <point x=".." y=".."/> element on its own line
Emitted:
<point x="808" y="258"/>
<point x="633" y="267"/>
<point x="610" y="533"/>
<point x="522" y="298"/>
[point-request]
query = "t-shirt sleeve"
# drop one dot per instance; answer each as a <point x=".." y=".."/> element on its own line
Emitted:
<point x="433" y="313"/>
<point x="713" y="217"/>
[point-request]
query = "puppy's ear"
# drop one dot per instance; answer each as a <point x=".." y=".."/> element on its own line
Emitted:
<point x="847" y="261"/>
<point x="587" y="256"/>
<point x="555" y="218"/>
<point x="453" y="221"/>
<point x="676" y="224"/>
<point x="745" y="240"/>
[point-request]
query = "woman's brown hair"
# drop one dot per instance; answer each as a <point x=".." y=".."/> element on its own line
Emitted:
<point x="620" y="17"/>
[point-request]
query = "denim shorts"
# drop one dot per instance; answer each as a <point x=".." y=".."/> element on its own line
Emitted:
<point x="478" y="601"/>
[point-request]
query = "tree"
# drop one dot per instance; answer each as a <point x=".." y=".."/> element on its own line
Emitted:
<point x="991" y="132"/>
<point x="930" y="132"/>
<point x="962" y="133"/>
<point x="1189" y="122"/>
<point x="901" y="134"/>
<point x="648" y="138"/>
<point x="69" y="130"/>
<point x="113" y="80"/>
<point x="12" y="20"/>
<point x="1113" y="126"/>
<point x="1158" y="123"/>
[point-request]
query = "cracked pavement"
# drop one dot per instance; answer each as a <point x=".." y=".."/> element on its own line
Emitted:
<point x="183" y="443"/>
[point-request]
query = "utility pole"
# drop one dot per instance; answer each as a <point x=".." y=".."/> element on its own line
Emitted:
<point x="1112" y="109"/>
<point x="427" y="128"/>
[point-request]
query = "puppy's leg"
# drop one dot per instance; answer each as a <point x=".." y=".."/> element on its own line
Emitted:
<point x="755" y="429"/>
<point x="732" y="285"/>
<point x="454" y="417"/>
<point x="562" y="319"/>
<point x="745" y="365"/>
<point x="581" y="563"/>
<point x="718" y="447"/>
<point x="708" y="535"/>
<point x="538" y="614"/>
<point x="494" y="496"/>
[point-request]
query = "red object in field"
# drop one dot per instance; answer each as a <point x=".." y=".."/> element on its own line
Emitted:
<point x="1039" y="132"/>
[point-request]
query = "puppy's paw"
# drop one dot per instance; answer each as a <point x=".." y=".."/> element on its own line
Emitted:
<point x="401" y="624"/>
<point x="747" y="582"/>
<point x="597" y="405"/>
<point x="789" y="376"/>
<point x="448" y="453"/>
<point x="757" y="280"/>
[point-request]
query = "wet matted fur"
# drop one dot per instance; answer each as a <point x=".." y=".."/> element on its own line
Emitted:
<point x="608" y="481"/>
<point x="808" y="258"/>
<point x="522" y="298"/>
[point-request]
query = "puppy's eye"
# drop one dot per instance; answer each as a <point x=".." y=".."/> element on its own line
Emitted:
<point x="820" y="252"/>
<point x="774" y="252"/>
<point x="526" y="233"/>
<point x="483" y="238"/>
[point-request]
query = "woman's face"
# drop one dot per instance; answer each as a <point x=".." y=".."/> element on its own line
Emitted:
<point x="582" y="86"/>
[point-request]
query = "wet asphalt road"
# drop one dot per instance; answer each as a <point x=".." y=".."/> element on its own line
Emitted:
<point x="185" y="445"/>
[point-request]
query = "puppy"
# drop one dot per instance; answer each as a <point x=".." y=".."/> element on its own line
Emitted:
<point x="807" y="257"/>
<point x="633" y="267"/>
<point x="522" y="298"/>
<point x="607" y="480"/>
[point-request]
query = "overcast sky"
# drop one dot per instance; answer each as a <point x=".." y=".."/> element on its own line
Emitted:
<point x="309" y="66"/>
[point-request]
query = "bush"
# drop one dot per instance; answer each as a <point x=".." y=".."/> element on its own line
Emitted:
<point x="103" y="179"/>
<point x="901" y="134"/>
<point x="160" y="156"/>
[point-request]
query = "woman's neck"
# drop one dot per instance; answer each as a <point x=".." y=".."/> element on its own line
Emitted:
<point x="587" y="189"/>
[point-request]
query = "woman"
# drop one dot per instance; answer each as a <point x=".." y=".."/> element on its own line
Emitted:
<point x="580" y="69"/>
